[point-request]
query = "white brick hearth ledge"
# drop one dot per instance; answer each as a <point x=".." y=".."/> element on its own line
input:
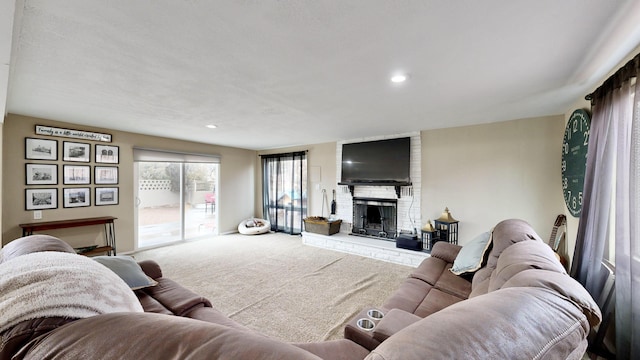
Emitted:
<point x="372" y="248"/>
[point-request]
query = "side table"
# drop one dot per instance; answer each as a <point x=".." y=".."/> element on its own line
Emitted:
<point x="107" y="221"/>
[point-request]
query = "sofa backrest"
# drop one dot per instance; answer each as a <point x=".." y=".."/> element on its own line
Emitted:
<point x="33" y="243"/>
<point x="155" y="336"/>
<point x="523" y="256"/>
<point x="515" y="322"/>
<point x="504" y="234"/>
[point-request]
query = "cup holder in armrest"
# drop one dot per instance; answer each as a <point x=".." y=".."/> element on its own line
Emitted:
<point x="366" y="324"/>
<point x="375" y="314"/>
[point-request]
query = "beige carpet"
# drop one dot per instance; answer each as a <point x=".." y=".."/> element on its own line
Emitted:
<point x="276" y="285"/>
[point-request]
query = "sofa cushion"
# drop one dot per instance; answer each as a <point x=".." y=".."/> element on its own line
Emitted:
<point x="429" y="270"/>
<point x="504" y="234"/>
<point x="414" y="294"/>
<point x="511" y="323"/>
<point x="409" y="295"/>
<point x="458" y="286"/>
<point x="128" y="270"/>
<point x="435" y="301"/>
<point x="472" y="255"/>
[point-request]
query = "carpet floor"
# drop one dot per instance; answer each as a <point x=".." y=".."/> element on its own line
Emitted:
<point x="276" y="285"/>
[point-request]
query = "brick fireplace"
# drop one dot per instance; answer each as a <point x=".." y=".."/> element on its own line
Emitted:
<point x="407" y="205"/>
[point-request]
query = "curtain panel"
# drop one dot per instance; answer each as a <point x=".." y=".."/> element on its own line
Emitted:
<point x="284" y="191"/>
<point x="611" y="207"/>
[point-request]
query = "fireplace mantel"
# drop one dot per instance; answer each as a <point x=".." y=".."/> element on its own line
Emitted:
<point x="396" y="184"/>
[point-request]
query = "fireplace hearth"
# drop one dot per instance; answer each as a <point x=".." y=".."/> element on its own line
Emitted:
<point x="373" y="217"/>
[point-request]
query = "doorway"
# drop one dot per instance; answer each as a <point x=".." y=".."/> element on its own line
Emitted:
<point x="175" y="201"/>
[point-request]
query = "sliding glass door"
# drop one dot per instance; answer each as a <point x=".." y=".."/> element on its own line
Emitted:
<point x="175" y="201"/>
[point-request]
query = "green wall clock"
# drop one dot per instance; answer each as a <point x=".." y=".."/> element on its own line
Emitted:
<point x="574" y="160"/>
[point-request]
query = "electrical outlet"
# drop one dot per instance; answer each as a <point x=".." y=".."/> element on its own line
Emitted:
<point x="37" y="215"/>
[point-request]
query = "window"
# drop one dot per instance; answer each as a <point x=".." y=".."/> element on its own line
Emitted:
<point x="284" y="191"/>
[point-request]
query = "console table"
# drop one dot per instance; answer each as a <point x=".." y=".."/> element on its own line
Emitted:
<point x="107" y="221"/>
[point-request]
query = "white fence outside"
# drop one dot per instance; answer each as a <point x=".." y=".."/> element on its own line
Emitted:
<point x="156" y="193"/>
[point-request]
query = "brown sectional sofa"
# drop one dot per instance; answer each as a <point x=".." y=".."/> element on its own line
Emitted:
<point x="430" y="288"/>
<point x="521" y="305"/>
<point x="176" y="324"/>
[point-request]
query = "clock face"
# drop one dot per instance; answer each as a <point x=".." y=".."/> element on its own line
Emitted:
<point x="574" y="160"/>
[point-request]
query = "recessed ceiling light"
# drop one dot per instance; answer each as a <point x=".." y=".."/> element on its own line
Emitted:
<point x="398" y="78"/>
<point x="211" y="126"/>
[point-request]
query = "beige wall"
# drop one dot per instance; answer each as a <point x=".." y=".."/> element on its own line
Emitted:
<point x="236" y="187"/>
<point x="494" y="172"/>
<point x="322" y="156"/>
<point x="487" y="173"/>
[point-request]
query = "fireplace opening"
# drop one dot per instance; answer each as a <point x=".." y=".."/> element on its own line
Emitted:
<point x="374" y="217"/>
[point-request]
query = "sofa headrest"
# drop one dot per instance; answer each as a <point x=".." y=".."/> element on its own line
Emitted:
<point x="561" y="284"/>
<point x="523" y="256"/>
<point x="504" y="234"/>
<point x="33" y="243"/>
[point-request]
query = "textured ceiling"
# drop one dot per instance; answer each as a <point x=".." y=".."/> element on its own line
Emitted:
<point x="280" y="73"/>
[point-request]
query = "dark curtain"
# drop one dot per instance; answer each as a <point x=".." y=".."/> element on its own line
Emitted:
<point x="284" y="191"/>
<point x="611" y="207"/>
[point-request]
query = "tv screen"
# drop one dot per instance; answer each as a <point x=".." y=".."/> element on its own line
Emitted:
<point x="382" y="161"/>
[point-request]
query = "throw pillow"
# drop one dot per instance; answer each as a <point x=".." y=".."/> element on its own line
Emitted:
<point x="128" y="270"/>
<point x="472" y="256"/>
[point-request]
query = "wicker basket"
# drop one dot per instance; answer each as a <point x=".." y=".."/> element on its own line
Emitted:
<point x="322" y="226"/>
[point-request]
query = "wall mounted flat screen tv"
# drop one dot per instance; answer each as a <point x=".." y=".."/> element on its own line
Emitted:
<point x="381" y="161"/>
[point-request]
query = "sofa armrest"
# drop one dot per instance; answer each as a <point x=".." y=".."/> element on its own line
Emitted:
<point x="445" y="251"/>
<point x="392" y="322"/>
<point x="175" y="297"/>
<point x="151" y="268"/>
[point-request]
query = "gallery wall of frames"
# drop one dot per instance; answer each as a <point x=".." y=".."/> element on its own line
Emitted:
<point x="87" y="175"/>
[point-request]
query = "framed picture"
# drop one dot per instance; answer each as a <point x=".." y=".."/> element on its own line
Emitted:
<point x="73" y="151"/>
<point x="41" y="149"/>
<point x="106" y="175"/>
<point x="106" y="196"/>
<point x="76" y="174"/>
<point x="42" y="174"/>
<point x="76" y="197"/>
<point x="38" y="199"/>
<point x="107" y="154"/>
